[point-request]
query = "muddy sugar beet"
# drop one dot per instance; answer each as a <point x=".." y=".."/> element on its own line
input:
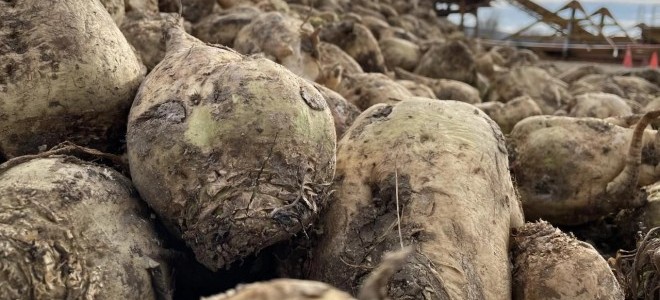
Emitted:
<point x="70" y="75"/>
<point x="233" y="152"/>
<point x="572" y="171"/>
<point x="75" y="230"/>
<point x="549" y="264"/>
<point x="283" y="289"/>
<point x="283" y="39"/>
<point x="373" y="288"/>
<point x="446" y="162"/>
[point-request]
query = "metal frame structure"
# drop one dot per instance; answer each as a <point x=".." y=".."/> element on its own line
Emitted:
<point x="590" y="36"/>
<point x="580" y="27"/>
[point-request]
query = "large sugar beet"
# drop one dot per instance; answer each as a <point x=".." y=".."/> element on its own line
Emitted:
<point x="576" y="73"/>
<point x="358" y="41"/>
<point x="69" y="74"/>
<point x="377" y="26"/>
<point x="549" y="264"/>
<point x="193" y="10"/>
<point x="650" y="75"/>
<point x="145" y="33"/>
<point x="223" y="28"/>
<point x="452" y="60"/>
<point x="419" y="26"/>
<point x="574" y="170"/>
<point x="418" y="89"/>
<point x="286" y="40"/>
<point x="367" y="89"/>
<point x="550" y="93"/>
<point x="331" y="55"/>
<point x="144" y="6"/>
<point x="430" y="174"/>
<point x="279" y="289"/>
<point x="116" y="10"/>
<point x="599" y="105"/>
<point x="344" y="113"/>
<point x="75" y="230"/>
<point x="488" y="63"/>
<point x="445" y="89"/>
<point x="629" y="87"/>
<point x="231" y="151"/>
<point x="400" y="53"/>
<point x="507" y="115"/>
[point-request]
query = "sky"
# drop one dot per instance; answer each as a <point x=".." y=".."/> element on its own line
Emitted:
<point x="628" y="13"/>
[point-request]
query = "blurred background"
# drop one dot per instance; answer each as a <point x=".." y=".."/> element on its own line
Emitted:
<point x="597" y="30"/>
<point x="504" y="18"/>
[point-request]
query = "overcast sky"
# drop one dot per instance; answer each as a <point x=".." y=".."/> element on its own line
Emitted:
<point x="629" y="13"/>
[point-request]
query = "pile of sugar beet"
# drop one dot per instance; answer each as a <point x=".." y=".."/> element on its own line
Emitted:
<point x="314" y="149"/>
